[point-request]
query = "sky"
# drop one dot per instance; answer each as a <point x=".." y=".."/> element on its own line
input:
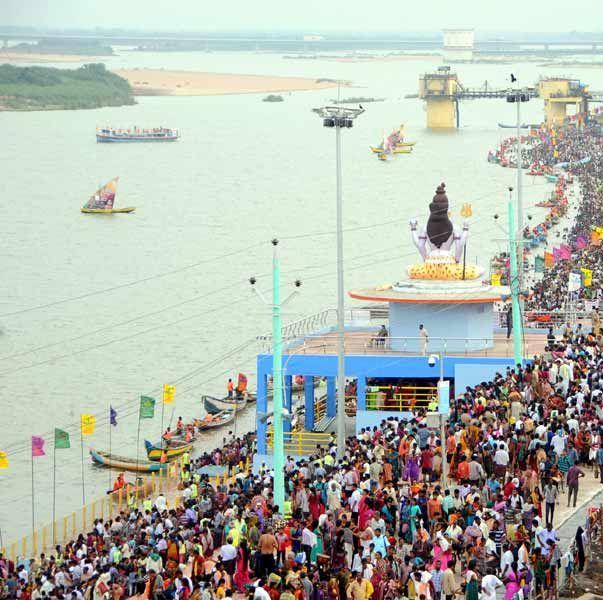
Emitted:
<point x="305" y="15"/>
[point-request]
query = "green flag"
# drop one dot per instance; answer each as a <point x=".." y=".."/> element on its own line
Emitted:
<point x="147" y="407"/>
<point x="539" y="264"/>
<point x="61" y="439"/>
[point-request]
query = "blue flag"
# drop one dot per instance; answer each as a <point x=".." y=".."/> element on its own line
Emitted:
<point x="112" y="416"/>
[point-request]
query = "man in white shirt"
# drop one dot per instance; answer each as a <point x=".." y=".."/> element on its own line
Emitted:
<point x="260" y="593"/>
<point x="506" y="560"/>
<point x="558" y="442"/>
<point x="354" y="502"/>
<point x="161" y="503"/>
<point x="489" y="584"/>
<point x="501" y="459"/>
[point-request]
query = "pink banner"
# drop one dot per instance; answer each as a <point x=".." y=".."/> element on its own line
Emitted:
<point x="37" y="446"/>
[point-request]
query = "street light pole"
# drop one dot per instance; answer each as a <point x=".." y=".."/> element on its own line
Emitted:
<point x="338" y="117"/>
<point x="514" y="283"/>
<point x="278" y="450"/>
<point x="518" y="96"/>
<point x="519" y="176"/>
<point x="442" y="423"/>
<point x="277" y="383"/>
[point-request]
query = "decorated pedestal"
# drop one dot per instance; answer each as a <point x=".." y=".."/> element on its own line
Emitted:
<point x="443" y="294"/>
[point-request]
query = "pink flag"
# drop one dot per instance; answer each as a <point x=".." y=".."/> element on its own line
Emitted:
<point x="556" y="255"/>
<point x="566" y="252"/>
<point x="581" y="242"/>
<point x="37" y="446"/>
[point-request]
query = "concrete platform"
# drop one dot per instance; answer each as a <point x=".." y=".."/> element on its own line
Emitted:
<point x="365" y="342"/>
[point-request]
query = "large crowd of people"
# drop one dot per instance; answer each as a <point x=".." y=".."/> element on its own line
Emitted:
<point x="384" y="521"/>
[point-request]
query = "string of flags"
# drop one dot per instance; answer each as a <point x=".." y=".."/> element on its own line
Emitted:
<point x="88" y="425"/>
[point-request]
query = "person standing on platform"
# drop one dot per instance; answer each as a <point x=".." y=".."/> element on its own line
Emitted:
<point x="573" y="476"/>
<point x="599" y="459"/>
<point x="424" y="335"/>
<point x="550" y="499"/>
<point x="230" y="388"/>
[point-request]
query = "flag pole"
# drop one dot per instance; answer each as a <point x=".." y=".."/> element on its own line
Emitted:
<point x="33" y="510"/>
<point x="83" y="483"/>
<point x="162" y="409"/>
<point x="138" y="439"/>
<point x="110" y="474"/>
<point x="54" y="489"/>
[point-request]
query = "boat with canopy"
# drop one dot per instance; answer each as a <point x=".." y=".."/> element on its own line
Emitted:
<point x="103" y="200"/>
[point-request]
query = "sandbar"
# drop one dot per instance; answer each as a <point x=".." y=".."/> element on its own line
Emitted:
<point x="159" y="82"/>
<point x="32" y="57"/>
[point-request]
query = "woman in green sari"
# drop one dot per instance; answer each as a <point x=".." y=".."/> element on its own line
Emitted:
<point x="319" y="546"/>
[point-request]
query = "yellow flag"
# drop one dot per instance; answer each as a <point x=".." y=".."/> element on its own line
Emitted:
<point x="88" y="422"/>
<point x="599" y="231"/>
<point x="587" y="277"/>
<point x="495" y="279"/>
<point x="466" y="210"/>
<point x="169" y="391"/>
<point x="3" y="460"/>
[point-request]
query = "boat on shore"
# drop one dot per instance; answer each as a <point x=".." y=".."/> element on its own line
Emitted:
<point x="172" y="448"/>
<point x="213" y="406"/>
<point x="122" y="463"/>
<point x="522" y="126"/>
<point x="156" y="134"/>
<point x="212" y="421"/>
<point x="102" y="202"/>
<point x="402" y="150"/>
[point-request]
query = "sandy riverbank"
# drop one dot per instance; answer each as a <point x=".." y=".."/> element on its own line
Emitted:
<point x="158" y="82"/>
<point x="26" y="57"/>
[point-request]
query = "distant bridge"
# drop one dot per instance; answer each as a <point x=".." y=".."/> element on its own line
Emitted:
<point x="552" y="46"/>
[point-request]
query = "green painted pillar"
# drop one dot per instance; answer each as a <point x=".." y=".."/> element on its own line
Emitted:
<point x="514" y="281"/>
<point x="277" y="383"/>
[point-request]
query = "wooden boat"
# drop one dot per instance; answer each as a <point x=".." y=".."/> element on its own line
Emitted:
<point x="402" y="150"/>
<point x="215" y="405"/>
<point x="102" y="201"/>
<point x="122" y="463"/>
<point x="173" y="449"/>
<point x="376" y="150"/>
<point x="405" y="144"/>
<point x="382" y="156"/>
<point x="211" y="421"/>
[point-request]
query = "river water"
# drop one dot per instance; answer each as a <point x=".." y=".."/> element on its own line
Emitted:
<point x="162" y="294"/>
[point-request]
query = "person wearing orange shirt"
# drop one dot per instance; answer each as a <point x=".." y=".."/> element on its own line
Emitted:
<point x="450" y="447"/>
<point x="434" y="508"/>
<point x="120" y="482"/>
<point x="462" y="470"/>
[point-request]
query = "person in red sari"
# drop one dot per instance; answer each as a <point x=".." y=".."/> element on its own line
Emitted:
<point x="317" y="508"/>
<point x="241" y="576"/>
<point x="365" y="512"/>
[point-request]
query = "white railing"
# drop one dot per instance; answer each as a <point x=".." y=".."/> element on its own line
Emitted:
<point x="543" y="319"/>
<point x="371" y="343"/>
<point x="302" y="327"/>
<point x="318" y="322"/>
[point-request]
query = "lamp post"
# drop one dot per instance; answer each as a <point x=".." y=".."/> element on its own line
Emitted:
<point x="278" y="450"/>
<point x="338" y="117"/>
<point x="518" y="97"/>
<point x="442" y="409"/>
<point x="514" y="283"/>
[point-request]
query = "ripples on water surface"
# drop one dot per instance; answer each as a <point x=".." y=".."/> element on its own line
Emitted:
<point x="244" y="171"/>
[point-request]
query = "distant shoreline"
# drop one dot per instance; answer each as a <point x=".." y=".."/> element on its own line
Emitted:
<point x="34" y="57"/>
<point x="159" y="82"/>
